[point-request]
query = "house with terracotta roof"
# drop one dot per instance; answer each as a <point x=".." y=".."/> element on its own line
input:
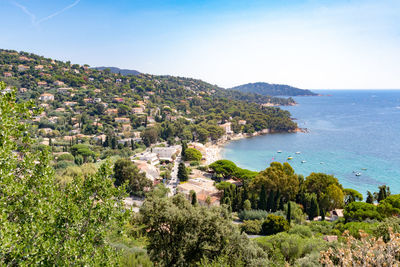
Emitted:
<point x="7" y="74"/>
<point x="138" y="110"/>
<point x="112" y="111"/>
<point x="59" y="83"/>
<point x="22" y="68"/>
<point x="42" y="83"/>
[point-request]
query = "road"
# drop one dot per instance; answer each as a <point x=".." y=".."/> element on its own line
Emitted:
<point x="174" y="181"/>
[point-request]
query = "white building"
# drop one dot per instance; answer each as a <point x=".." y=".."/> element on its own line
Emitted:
<point x="46" y="97"/>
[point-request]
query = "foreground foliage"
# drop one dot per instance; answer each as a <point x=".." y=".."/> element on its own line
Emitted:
<point x="181" y="234"/>
<point x="41" y="222"/>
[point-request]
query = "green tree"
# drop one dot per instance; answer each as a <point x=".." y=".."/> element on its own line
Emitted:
<point x="359" y="211"/>
<point x="180" y="234"/>
<point x="192" y="154"/>
<point x="262" y="202"/>
<point x="125" y="171"/>
<point x="226" y="168"/>
<point x="370" y="198"/>
<point x="149" y="136"/>
<point x="184" y="147"/>
<point x="274" y="224"/>
<point x="288" y="213"/>
<point x="247" y="205"/>
<point x="182" y="172"/>
<point x="351" y="195"/>
<point x="313" y="211"/>
<point x="383" y="193"/>
<point x="278" y="177"/>
<point x="43" y="223"/>
<point x="193" y="198"/>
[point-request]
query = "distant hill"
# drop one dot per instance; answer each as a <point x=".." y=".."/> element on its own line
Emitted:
<point x="118" y="70"/>
<point x="272" y="89"/>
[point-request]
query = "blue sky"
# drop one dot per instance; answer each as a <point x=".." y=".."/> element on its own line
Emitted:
<point x="340" y="44"/>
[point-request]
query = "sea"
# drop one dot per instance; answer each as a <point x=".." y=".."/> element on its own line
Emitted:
<point x="352" y="134"/>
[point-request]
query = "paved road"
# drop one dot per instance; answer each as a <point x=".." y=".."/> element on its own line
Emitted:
<point x="174" y="181"/>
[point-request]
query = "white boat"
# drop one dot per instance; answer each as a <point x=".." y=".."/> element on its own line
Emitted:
<point x="303" y="161"/>
<point x="279" y="151"/>
<point x="289" y="158"/>
<point x="358" y="174"/>
<point x="298" y="152"/>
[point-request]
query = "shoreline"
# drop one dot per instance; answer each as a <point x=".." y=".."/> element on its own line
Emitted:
<point x="213" y="150"/>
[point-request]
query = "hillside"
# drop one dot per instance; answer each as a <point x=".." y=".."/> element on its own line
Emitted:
<point x="272" y="89"/>
<point x="83" y="103"/>
<point x="118" y="70"/>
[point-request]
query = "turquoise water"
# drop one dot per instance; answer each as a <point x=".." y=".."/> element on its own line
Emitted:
<point x="348" y="131"/>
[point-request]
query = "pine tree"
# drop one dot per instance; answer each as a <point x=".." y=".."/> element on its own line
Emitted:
<point x="289" y="210"/>
<point x="182" y="172"/>
<point x="370" y="198"/>
<point x="262" y="201"/>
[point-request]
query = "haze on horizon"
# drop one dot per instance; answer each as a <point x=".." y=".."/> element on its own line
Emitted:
<point x="328" y="44"/>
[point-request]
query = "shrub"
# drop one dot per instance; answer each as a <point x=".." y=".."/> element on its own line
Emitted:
<point x="321" y="227"/>
<point x="194" y="163"/>
<point x="192" y="154"/>
<point x="353" y="228"/>
<point x="65" y="157"/>
<point x="251" y="227"/>
<point x="274" y="224"/>
<point x="301" y="230"/>
<point x="359" y="211"/>
<point x="63" y="164"/>
<point x="245" y="215"/>
<point x="288" y="248"/>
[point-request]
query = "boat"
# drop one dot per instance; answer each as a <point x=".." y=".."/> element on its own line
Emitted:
<point x="321" y="162"/>
<point x="358" y="174"/>
<point x="279" y="151"/>
<point x="364" y="169"/>
<point x="289" y="158"/>
<point x="303" y="161"/>
<point x="298" y="152"/>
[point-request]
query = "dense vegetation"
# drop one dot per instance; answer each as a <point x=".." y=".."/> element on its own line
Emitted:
<point x="272" y="89"/>
<point x="63" y="203"/>
<point x="84" y="103"/>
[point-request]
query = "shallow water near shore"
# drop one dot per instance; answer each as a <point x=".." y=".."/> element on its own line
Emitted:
<point x="349" y="131"/>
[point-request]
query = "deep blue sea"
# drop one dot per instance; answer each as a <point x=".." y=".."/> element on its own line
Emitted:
<point x="349" y="130"/>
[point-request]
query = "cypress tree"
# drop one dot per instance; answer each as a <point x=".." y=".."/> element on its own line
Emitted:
<point x="113" y="142"/>
<point x="262" y="202"/>
<point x="182" y="172"/>
<point x="271" y="200"/>
<point x="289" y="210"/>
<point x="313" y="211"/>
<point x="194" y="199"/>
<point x="277" y="198"/>
<point x="184" y="147"/>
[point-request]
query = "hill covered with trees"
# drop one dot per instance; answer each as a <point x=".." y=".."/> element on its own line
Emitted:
<point x="272" y="89"/>
<point x="119" y="71"/>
